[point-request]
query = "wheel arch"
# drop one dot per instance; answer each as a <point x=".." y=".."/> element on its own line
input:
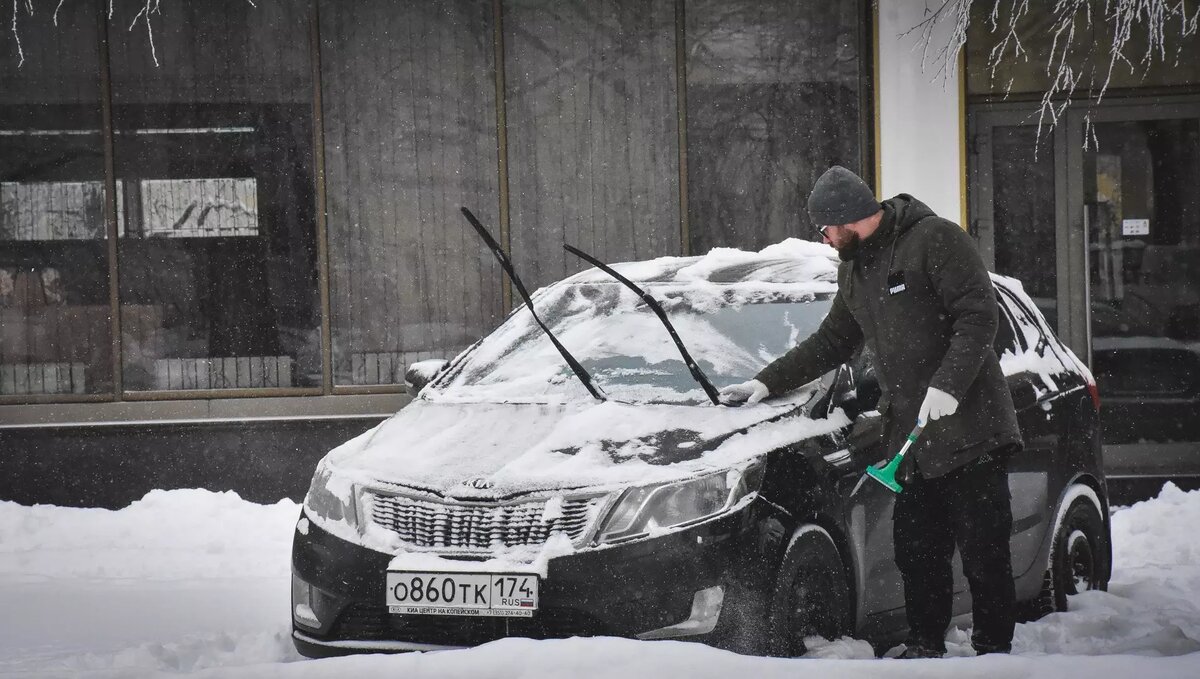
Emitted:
<point x="1087" y="486"/>
<point x="833" y="531"/>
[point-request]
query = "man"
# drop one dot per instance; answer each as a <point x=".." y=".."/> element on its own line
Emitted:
<point x="912" y="287"/>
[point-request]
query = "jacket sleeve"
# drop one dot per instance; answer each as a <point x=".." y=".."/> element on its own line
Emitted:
<point x="961" y="281"/>
<point x="830" y="346"/>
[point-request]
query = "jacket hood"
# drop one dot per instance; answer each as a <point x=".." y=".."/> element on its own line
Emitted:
<point x="907" y="212"/>
<point x="489" y="451"/>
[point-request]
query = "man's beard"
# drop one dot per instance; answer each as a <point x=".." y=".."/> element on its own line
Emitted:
<point x="849" y="249"/>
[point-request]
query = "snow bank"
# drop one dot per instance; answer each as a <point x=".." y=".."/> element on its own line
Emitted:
<point x="178" y="581"/>
<point x="167" y="535"/>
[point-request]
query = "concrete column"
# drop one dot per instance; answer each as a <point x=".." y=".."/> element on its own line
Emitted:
<point x="920" y="116"/>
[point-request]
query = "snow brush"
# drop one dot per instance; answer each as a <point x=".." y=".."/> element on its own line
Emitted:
<point x="887" y="473"/>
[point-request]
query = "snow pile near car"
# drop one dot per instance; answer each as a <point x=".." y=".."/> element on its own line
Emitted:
<point x="167" y="535"/>
<point x="178" y="581"/>
<point x="1152" y="605"/>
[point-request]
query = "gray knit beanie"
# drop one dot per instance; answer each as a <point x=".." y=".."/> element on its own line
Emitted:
<point x="841" y="197"/>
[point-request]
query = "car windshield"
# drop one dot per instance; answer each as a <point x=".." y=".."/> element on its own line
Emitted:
<point x="730" y="330"/>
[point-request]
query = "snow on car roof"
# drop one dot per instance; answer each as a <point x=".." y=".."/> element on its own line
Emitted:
<point x="790" y="261"/>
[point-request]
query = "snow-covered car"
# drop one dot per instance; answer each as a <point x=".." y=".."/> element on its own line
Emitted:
<point x="512" y="499"/>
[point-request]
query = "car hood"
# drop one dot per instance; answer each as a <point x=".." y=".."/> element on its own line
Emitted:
<point x="493" y="450"/>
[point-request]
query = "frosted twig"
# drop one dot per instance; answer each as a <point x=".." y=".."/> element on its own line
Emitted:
<point x="145" y="12"/>
<point x="1125" y="18"/>
<point x="17" y="36"/>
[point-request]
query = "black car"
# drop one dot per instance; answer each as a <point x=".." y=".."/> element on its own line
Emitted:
<point x="511" y="498"/>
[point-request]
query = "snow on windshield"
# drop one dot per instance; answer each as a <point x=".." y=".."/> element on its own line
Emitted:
<point x="731" y="330"/>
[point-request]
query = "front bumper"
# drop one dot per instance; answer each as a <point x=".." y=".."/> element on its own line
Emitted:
<point x="648" y="586"/>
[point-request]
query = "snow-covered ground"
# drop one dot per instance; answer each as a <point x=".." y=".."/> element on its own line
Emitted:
<point x="193" y="582"/>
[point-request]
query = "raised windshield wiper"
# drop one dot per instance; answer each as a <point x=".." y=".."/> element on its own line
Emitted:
<point x="697" y="373"/>
<point x="578" y="369"/>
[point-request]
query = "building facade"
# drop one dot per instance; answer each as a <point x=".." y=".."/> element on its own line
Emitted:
<point x="226" y="233"/>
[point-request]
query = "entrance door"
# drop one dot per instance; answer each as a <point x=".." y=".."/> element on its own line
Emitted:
<point x="1136" y="196"/>
<point x="1015" y="206"/>
<point x="1107" y="241"/>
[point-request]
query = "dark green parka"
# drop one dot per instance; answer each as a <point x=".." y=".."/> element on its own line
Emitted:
<point x="918" y="294"/>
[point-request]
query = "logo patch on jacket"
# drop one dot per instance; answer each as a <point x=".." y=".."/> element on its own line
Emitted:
<point x="895" y="282"/>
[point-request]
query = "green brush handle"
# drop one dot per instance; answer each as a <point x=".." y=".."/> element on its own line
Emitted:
<point x="887" y="474"/>
<point x="912" y="438"/>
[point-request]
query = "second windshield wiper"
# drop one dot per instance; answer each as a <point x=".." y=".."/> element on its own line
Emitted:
<point x="697" y="373"/>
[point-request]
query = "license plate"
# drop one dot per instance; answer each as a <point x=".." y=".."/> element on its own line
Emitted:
<point x="511" y="595"/>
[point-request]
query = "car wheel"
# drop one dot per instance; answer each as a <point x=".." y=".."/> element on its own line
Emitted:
<point x="1078" y="558"/>
<point x="812" y="594"/>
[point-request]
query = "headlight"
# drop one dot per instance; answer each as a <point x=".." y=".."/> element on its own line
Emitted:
<point x="648" y="509"/>
<point x="331" y="498"/>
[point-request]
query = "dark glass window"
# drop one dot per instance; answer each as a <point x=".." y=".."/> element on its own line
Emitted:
<point x="593" y="136"/>
<point x="55" y="323"/>
<point x="776" y="93"/>
<point x="1024" y="223"/>
<point x="213" y="151"/>
<point x="409" y="97"/>
<point x="1143" y="221"/>
<point x="207" y="133"/>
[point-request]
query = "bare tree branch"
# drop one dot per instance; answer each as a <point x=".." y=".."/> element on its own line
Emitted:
<point x="150" y="7"/>
<point x="1071" y="33"/>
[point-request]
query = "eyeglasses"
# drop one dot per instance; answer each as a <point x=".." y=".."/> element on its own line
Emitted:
<point x="821" y="229"/>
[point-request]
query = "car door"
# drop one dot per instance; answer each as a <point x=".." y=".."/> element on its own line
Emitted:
<point x="869" y="506"/>
<point x="1033" y="363"/>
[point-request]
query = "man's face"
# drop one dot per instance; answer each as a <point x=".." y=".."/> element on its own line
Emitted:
<point x="843" y="238"/>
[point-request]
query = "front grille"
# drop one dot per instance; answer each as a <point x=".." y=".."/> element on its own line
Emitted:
<point x="361" y="622"/>
<point x="425" y="523"/>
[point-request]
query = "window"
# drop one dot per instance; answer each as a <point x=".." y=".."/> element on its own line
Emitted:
<point x="1024" y="236"/>
<point x="213" y="214"/>
<point x="776" y="93"/>
<point x="55" y="315"/>
<point x="264" y="200"/>
<point x="594" y="147"/>
<point x="213" y="149"/>
<point x="409" y="99"/>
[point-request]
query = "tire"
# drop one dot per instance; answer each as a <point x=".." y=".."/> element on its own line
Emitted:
<point x="811" y="595"/>
<point x="1078" y="558"/>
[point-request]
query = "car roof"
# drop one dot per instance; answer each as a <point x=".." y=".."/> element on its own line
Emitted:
<point x="791" y="261"/>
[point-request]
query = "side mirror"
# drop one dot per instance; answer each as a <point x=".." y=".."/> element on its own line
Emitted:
<point x="421" y="373"/>
<point x="828" y="391"/>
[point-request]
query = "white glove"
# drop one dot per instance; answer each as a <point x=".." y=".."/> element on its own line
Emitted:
<point x="937" y="404"/>
<point x="750" y="392"/>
